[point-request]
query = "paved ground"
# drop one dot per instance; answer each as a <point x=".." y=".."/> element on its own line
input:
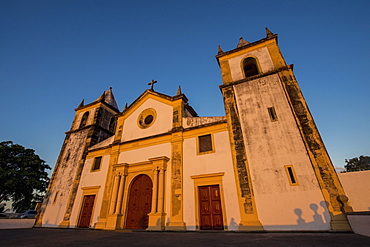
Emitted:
<point x="91" y="238"/>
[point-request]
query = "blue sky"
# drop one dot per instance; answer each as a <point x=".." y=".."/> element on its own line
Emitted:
<point x="53" y="54"/>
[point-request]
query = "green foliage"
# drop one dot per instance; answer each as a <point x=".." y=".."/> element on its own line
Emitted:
<point x="361" y="163"/>
<point x="23" y="176"/>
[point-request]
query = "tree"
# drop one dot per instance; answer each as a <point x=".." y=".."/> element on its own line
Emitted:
<point x="361" y="163"/>
<point x="23" y="176"/>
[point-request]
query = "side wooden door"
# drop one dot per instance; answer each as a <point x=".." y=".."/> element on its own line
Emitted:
<point x="210" y="210"/>
<point x="87" y="208"/>
<point x="139" y="203"/>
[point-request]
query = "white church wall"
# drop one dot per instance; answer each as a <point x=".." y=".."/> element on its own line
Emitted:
<point x="137" y="155"/>
<point x="90" y="180"/>
<point x="270" y="146"/>
<point x="263" y="57"/>
<point x="207" y="164"/>
<point x="162" y="123"/>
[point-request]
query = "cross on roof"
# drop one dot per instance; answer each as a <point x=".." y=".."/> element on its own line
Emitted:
<point x="152" y="84"/>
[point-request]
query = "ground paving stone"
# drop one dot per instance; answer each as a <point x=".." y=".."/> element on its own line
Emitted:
<point x="77" y="237"/>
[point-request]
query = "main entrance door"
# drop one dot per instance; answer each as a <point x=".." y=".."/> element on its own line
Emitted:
<point x="87" y="207"/>
<point x="210" y="208"/>
<point x="139" y="203"/>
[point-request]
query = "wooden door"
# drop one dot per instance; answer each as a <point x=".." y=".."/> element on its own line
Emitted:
<point x="86" y="212"/>
<point x="210" y="211"/>
<point x="139" y="203"/>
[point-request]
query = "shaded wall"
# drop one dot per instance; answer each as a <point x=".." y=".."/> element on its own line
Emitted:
<point x="357" y="188"/>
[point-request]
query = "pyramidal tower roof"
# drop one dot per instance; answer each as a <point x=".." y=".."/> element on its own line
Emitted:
<point x="108" y="98"/>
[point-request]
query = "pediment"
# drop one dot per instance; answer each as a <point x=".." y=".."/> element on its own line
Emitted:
<point x="151" y="95"/>
<point x="149" y="115"/>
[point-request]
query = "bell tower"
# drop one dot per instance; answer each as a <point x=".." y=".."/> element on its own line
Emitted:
<point x="280" y="161"/>
<point x="92" y="123"/>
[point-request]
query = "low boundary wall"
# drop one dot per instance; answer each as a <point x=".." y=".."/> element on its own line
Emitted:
<point x="16" y="223"/>
<point x="360" y="222"/>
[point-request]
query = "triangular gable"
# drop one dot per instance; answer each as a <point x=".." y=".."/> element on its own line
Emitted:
<point x="166" y="99"/>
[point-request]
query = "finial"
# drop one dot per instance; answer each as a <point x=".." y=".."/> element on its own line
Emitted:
<point x="269" y="34"/>
<point x="152" y="85"/>
<point x="82" y="103"/>
<point x="179" y="91"/>
<point x="219" y="50"/>
<point x="125" y="108"/>
<point x="242" y="42"/>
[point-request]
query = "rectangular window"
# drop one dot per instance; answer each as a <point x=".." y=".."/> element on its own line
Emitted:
<point x="96" y="165"/>
<point x="55" y="197"/>
<point x="291" y="175"/>
<point x="272" y="114"/>
<point x="205" y="144"/>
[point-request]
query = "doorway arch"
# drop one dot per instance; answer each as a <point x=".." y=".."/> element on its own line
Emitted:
<point x="139" y="202"/>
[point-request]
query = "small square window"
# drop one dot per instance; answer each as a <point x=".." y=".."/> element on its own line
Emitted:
<point x="96" y="165"/>
<point x="205" y="144"/>
<point x="272" y="113"/>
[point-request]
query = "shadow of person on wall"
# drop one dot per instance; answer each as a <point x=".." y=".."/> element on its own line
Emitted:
<point x="298" y="212"/>
<point x="317" y="218"/>
<point x="233" y="225"/>
<point x="325" y="205"/>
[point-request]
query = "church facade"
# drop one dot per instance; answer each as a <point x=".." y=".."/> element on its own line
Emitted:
<point x="158" y="166"/>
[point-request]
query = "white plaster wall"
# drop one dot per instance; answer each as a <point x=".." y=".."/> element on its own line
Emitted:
<point x="163" y="122"/>
<point x="270" y="145"/>
<point x="357" y="185"/>
<point x="63" y="181"/>
<point x="219" y="161"/>
<point x="54" y="212"/>
<point x="263" y="58"/>
<point x="144" y="154"/>
<point x="90" y="179"/>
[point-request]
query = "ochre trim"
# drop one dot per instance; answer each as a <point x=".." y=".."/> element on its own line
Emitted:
<point x="90" y="189"/>
<point x="209" y="175"/>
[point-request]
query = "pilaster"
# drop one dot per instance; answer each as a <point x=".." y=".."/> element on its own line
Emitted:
<point x="110" y="193"/>
<point x="248" y="211"/>
<point x="114" y="217"/>
<point x="157" y="216"/>
<point x="176" y="222"/>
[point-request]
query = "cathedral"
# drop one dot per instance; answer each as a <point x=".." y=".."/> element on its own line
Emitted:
<point x="158" y="166"/>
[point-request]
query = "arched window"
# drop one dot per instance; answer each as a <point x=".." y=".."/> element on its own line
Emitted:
<point x="84" y="119"/>
<point x="250" y="67"/>
<point x="112" y="124"/>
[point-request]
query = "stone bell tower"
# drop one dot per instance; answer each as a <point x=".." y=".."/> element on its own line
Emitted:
<point x="92" y="123"/>
<point x="280" y="160"/>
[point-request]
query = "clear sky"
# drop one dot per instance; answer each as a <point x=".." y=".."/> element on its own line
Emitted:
<point x="53" y="54"/>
